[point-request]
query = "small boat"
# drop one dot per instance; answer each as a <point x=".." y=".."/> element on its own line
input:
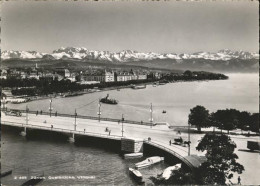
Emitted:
<point x="133" y="155"/>
<point x="136" y="174"/>
<point x="73" y="94"/>
<point x="164" y="111"/>
<point x="149" y="161"/>
<point x="138" y="87"/>
<point x="168" y="171"/>
<point x="34" y="181"/>
<point x="6" y="173"/>
<point x="108" y="101"/>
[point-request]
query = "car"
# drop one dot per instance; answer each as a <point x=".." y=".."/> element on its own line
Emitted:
<point x="13" y="113"/>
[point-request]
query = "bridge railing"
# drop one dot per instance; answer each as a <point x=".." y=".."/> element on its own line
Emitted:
<point x="82" y="117"/>
<point x="60" y="130"/>
<point x="182" y="158"/>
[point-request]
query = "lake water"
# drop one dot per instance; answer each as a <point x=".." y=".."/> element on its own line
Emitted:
<point x="34" y="157"/>
<point x="241" y="91"/>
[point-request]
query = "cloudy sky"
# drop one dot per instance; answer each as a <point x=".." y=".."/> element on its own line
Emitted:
<point x="142" y="26"/>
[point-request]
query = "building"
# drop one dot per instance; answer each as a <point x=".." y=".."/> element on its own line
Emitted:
<point x="63" y="72"/>
<point x="109" y="76"/>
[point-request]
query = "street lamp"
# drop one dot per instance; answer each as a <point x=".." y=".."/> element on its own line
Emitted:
<point x="4" y="102"/>
<point x="75" y="124"/>
<point x="123" y="119"/>
<point x="99" y="112"/>
<point x="50" y="109"/>
<point x="151" y="117"/>
<point x="189" y="139"/>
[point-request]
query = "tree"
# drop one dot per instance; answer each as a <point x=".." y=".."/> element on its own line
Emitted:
<point x="254" y="122"/>
<point x="226" y="119"/>
<point x="221" y="159"/>
<point x="199" y="117"/>
<point x="243" y="120"/>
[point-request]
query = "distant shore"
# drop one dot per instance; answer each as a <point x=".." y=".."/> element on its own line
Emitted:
<point x="90" y="91"/>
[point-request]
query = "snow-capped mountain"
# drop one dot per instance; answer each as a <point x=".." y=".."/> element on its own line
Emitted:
<point x="21" y="54"/>
<point x="125" y="55"/>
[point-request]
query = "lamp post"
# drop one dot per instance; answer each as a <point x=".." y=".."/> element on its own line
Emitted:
<point x="123" y="119"/>
<point x="75" y="123"/>
<point x="151" y="116"/>
<point x="50" y="109"/>
<point x="189" y="139"/>
<point x="4" y="102"/>
<point x="99" y="112"/>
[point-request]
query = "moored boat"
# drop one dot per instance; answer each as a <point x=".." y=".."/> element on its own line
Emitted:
<point x="168" y="171"/>
<point x="138" y="86"/>
<point x="149" y="161"/>
<point x="136" y="174"/>
<point x="133" y="155"/>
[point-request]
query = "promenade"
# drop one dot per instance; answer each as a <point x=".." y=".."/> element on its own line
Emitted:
<point x="160" y="135"/>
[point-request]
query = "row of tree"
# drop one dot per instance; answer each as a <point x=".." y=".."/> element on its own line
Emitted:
<point x="228" y="119"/>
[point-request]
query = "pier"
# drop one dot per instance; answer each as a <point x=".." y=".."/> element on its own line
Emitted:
<point x="131" y="136"/>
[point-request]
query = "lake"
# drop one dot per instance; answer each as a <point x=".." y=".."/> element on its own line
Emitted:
<point x="240" y="91"/>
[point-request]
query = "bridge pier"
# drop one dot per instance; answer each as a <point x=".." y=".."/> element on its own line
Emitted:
<point x="72" y="138"/>
<point x="131" y="145"/>
<point x="23" y="133"/>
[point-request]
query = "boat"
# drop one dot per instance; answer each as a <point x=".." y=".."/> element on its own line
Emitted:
<point x="138" y="86"/>
<point x="108" y="101"/>
<point x="133" y="155"/>
<point x="149" y="161"/>
<point x="168" y="171"/>
<point x="6" y="173"/>
<point x="34" y="181"/>
<point x="164" y="111"/>
<point x="136" y="174"/>
<point x="73" y="94"/>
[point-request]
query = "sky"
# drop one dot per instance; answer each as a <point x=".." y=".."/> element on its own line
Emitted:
<point x="164" y="26"/>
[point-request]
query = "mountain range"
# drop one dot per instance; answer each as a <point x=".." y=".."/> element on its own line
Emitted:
<point x="221" y="61"/>
<point x="125" y="55"/>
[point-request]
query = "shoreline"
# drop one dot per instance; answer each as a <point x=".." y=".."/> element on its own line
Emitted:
<point x="42" y="97"/>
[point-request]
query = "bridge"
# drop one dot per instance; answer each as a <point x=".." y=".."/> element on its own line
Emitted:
<point x="102" y="128"/>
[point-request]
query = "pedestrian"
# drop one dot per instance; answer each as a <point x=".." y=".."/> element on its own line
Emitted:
<point x="170" y="142"/>
<point x="84" y="130"/>
<point x="51" y="126"/>
<point x="239" y="180"/>
<point x="36" y="112"/>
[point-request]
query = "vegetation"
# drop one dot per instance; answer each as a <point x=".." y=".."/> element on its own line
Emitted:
<point x="216" y="170"/>
<point x="228" y="119"/>
<point x="199" y="117"/>
<point x="221" y="159"/>
<point x="196" y="75"/>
